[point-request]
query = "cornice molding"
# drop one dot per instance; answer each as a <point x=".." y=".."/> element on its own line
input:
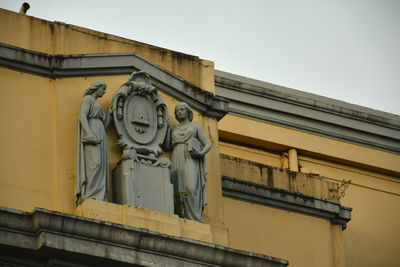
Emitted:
<point x="307" y="112"/>
<point x="287" y="200"/>
<point x="43" y="233"/>
<point x="65" y="66"/>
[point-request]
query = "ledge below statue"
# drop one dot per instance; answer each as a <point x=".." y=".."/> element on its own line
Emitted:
<point x="49" y="238"/>
<point x="152" y="220"/>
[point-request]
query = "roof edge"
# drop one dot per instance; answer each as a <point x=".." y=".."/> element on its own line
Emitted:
<point x="308" y="112"/>
<point x="83" y="65"/>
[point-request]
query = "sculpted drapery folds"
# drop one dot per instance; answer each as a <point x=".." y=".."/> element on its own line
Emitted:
<point x="141" y="120"/>
<point x="189" y="170"/>
<point x="92" y="179"/>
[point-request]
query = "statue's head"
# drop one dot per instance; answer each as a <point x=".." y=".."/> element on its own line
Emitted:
<point x="95" y="86"/>
<point x="186" y="107"/>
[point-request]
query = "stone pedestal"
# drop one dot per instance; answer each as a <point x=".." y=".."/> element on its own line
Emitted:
<point x="144" y="185"/>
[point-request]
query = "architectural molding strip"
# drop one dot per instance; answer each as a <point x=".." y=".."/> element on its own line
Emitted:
<point x="308" y="112"/>
<point x="283" y="199"/>
<point x="82" y="237"/>
<point x="64" y="66"/>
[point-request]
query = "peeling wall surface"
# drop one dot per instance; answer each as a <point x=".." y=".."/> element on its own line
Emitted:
<point x="293" y="178"/>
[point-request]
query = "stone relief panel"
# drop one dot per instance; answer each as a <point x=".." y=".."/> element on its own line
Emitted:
<point x="141" y="116"/>
<point x="141" y="178"/>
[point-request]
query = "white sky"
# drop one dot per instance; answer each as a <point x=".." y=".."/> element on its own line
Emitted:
<point x="343" y="49"/>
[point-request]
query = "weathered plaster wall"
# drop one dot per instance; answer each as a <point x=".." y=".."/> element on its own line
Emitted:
<point x="26" y="32"/>
<point x="373" y="231"/>
<point x="41" y="114"/>
<point x="38" y="159"/>
<point x="372" y="236"/>
<point x="39" y="117"/>
<point x="279" y="138"/>
<point x="307" y="184"/>
<point x="27" y="154"/>
<point x="303" y="240"/>
<point x="60" y="38"/>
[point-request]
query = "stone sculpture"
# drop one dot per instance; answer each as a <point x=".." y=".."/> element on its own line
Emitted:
<point x="188" y="171"/>
<point x="140" y="116"/>
<point x="141" y="178"/>
<point x="92" y="156"/>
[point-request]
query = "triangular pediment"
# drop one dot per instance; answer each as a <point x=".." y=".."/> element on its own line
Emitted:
<point x="64" y="66"/>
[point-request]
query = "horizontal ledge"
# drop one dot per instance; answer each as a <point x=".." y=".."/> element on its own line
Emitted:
<point x="307" y="112"/>
<point x="44" y="229"/>
<point x="64" y="66"/>
<point x="287" y="200"/>
<point x="321" y="128"/>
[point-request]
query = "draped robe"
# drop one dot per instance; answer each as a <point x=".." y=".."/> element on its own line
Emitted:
<point x="189" y="175"/>
<point x="92" y="159"/>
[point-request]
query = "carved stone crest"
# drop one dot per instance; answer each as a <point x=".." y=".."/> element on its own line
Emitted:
<point x="140" y="116"/>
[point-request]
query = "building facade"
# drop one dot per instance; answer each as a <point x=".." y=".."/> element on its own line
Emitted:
<point x="293" y="178"/>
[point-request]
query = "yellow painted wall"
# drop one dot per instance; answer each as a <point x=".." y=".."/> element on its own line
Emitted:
<point x="38" y="159"/>
<point x="301" y="239"/>
<point x="303" y="183"/>
<point x="373" y="236"/>
<point x="39" y="117"/>
<point x="26" y="32"/>
<point x="27" y="116"/>
<point x="374" y="229"/>
<point x="43" y="113"/>
<point x="60" y="38"/>
<point x="279" y="138"/>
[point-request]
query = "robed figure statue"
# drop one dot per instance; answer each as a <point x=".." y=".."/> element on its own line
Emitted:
<point x="188" y="165"/>
<point x="92" y="179"/>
